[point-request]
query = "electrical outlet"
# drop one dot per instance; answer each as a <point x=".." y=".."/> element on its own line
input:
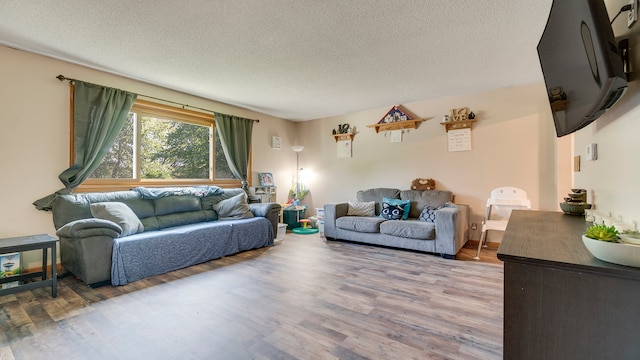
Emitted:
<point x="632" y="15"/>
<point x="474" y="226"/>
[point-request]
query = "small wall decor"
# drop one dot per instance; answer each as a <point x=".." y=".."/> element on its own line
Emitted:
<point x="266" y="179"/>
<point x="459" y="139"/>
<point x="394" y="115"/>
<point x="344" y="132"/>
<point x="396" y="119"/>
<point x="460" y="118"/>
<point x="275" y="142"/>
<point x="396" y="136"/>
<point x="344" y="148"/>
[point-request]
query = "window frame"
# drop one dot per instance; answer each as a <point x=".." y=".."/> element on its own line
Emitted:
<point x="153" y="109"/>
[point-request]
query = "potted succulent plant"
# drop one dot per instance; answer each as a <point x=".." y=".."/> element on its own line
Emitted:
<point x="602" y="242"/>
<point x="602" y="233"/>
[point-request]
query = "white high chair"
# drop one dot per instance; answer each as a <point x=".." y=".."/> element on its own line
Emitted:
<point x="498" y="210"/>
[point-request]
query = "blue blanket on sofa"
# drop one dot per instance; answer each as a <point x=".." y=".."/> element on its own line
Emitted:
<point x="151" y="253"/>
<point x="157" y="193"/>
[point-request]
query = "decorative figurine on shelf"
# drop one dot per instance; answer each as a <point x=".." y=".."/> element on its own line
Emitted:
<point x="342" y="129"/>
<point x="472" y="116"/>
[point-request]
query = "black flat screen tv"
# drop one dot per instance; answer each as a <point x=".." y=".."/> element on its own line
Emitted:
<point x="581" y="63"/>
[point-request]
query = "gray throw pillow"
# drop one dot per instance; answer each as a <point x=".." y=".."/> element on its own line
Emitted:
<point x="235" y="207"/>
<point x="120" y="214"/>
<point x="361" y="208"/>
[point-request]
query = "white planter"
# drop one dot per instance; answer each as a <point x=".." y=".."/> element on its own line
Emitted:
<point x="617" y="253"/>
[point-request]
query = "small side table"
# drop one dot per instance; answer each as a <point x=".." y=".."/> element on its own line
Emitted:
<point x="32" y="242"/>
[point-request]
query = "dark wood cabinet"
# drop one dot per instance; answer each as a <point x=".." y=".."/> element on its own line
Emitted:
<point x="560" y="302"/>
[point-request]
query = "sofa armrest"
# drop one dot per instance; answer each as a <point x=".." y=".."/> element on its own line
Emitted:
<point x="89" y="227"/>
<point x="85" y="248"/>
<point x="451" y="229"/>
<point x="331" y="213"/>
<point x="270" y="211"/>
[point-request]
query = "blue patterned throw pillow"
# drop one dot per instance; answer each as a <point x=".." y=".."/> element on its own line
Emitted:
<point x="429" y="214"/>
<point x="395" y="209"/>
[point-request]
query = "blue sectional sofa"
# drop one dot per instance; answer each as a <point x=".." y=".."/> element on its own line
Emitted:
<point x="123" y="236"/>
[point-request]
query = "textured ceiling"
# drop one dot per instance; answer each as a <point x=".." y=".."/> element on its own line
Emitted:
<point x="294" y="59"/>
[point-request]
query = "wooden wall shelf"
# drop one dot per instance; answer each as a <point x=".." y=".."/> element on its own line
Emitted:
<point x="347" y="136"/>
<point x="397" y="125"/>
<point x="460" y="124"/>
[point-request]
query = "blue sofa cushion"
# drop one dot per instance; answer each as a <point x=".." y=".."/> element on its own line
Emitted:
<point x="366" y="224"/>
<point x="411" y="229"/>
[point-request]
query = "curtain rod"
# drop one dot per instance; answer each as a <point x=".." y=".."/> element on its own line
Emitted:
<point x="63" y="78"/>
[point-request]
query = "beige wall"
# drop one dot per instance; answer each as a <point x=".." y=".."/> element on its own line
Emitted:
<point x="34" y="135"/>
<point x="612" y="180"/>
<point x="513" y="144"/>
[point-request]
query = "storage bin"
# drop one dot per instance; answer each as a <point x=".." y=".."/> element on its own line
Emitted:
<point x="282" y="230"/>
<point x="292" y="218"/>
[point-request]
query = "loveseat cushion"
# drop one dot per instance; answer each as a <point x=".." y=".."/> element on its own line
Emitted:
<point x="365" y="224"/>
<point x="411" y="229"/>
<point x="420" y="198"/>
<point x="377" y="194"/>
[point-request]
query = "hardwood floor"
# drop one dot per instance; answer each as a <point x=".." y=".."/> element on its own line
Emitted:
<point x="305" y="298"/>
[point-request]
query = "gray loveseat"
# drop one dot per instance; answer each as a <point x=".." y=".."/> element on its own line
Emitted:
<point x="445" y="235"/>
<point x="167" y="229"/>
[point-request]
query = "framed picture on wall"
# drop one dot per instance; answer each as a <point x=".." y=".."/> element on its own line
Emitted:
<point x="266" y="179"/>
<point x="275" y="142"/>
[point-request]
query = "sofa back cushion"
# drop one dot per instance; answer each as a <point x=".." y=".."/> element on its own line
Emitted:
<point x="377" y="194"/>
<point x="175" y="210"/>
<point x="420" y="198"/>
<point x="67" y="208"/>
<point x="154" y="214"/>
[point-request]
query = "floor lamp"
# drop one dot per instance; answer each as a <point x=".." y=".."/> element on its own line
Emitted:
<point x="304" y="229"/>
<point x="297" y="149"/>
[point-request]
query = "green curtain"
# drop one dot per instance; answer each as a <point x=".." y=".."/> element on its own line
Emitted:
<point x="234" y="134"/>
<point x="98" y="115"/>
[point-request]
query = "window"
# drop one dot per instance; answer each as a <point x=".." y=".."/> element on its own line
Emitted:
<point x="163" y="145"/>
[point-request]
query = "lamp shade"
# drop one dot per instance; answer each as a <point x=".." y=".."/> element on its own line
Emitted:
<point x="297" y="148"/>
